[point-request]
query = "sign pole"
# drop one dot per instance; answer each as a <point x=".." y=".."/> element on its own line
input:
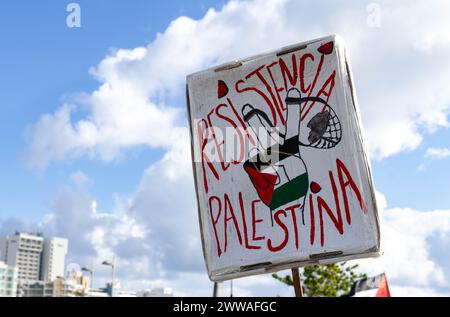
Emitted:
<point x="297" y="282"/>
<point x="231" y="288"/>
<point x="215" y="289"/>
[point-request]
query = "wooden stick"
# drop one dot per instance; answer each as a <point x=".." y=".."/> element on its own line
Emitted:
<point x="215" y="289"/>
<point x="297" y="282"/>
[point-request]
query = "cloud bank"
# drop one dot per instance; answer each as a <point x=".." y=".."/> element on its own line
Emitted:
<point x="401" y="71"/>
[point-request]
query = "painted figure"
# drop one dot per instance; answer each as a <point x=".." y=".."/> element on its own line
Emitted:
<point x="276" y="168"/>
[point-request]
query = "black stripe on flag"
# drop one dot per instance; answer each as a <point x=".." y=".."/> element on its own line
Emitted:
<point x="366" y="284"/>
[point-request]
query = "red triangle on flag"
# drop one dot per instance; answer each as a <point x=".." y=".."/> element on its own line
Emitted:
<point x="383" y="290"/>
<point x="264" y="183"/>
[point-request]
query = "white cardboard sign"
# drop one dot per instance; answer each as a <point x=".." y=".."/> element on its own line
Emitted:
<point x="280" y="166"/>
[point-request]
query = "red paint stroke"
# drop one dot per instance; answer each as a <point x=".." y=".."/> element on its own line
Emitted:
<point x="285" y="229"/>
<point x="326" y="48"/>
<point x="222" y="89"/>
<point x="214" y="221"/>
<point x="329" y="83"/>
<point x="294" y="222"/>
<point x="312" y="230"/>
<point x="315" y="187"/>
<point x="244" y="224"/>
<point x="313" y="85"/>
<point x="346" y="182"/>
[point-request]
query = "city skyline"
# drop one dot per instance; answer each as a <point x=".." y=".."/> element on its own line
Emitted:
<point x="32" y="265"/>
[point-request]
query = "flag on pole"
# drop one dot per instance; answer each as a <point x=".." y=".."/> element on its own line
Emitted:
<point x="375" y="286"/>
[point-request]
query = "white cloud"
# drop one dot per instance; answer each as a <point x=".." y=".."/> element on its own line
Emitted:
<point x="437" y="153"/>
<point x="74" y="215"/>
<point x="401" y="73"/>
<point x="413" y="259"/>
<point x="80" y="179"/>
<point x="406" y="235"/>
<point x="433" y="154"/>
<point x="399" y="291"/>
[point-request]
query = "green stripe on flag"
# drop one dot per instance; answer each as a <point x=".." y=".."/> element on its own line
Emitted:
<point x="292" y="190"/>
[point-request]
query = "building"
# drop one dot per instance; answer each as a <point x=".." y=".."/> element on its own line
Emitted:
<point x="3" y="246"/>
<point x="75" y="285"/>
<point x="23" y="251"/>
<point x="36" y="258"/>
<point x="156" y="292"/>
<point x="107" y="291"/>
<point x="8" y="280"/>
<point x="36" y="289"/>
<point x="53" y="258"/>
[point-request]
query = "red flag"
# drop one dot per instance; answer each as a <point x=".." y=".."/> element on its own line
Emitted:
<point x="383" y="290"/>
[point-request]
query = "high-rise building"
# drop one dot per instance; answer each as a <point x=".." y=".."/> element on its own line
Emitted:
<point x="8" y="280"/>
<point x="23" y="250"/>
<point x="53" y="258"/>
<point x="36" y="258"/>
<point x="3" y="246"/>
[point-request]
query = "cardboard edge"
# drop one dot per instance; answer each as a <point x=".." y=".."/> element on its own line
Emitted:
<point x="194" y="171"/>
<point x="236" y="274"/>
<point x="362" y="135"/>
<point x="291" y="48"/>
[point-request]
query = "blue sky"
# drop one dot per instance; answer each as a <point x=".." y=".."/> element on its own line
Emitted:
<point x="402" y="181"/>
<point x="402" y="86"/>
<point x="43" y="62"/>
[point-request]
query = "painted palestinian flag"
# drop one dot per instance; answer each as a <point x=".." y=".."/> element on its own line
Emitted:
<point x="375" y="286"/>
<point x="277" y="171"/>
<point x="281" y="178"/>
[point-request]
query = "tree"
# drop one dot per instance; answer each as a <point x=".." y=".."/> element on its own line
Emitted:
<point x="330" y="280"/>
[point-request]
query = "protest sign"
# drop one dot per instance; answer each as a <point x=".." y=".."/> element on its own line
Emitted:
<point x="281" y="170"/>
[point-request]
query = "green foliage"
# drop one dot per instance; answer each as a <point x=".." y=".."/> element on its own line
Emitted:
<point x="330" y="280"/>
